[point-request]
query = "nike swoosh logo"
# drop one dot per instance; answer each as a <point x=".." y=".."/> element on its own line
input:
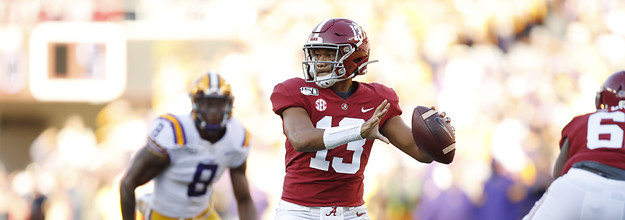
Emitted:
<point x="360" y="214"/>
<point x="365" y="110"/>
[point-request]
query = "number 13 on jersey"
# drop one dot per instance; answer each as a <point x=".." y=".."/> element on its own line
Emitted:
<point x="319" y="160"/>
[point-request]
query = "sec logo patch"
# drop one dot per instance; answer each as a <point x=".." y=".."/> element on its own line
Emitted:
<point x="321" y="105"/>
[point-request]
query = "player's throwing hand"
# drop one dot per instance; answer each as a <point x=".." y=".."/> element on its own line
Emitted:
<point x="370" y="129"/>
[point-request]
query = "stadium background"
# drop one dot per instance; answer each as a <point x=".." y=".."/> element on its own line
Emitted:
<point x="510" y="73"/>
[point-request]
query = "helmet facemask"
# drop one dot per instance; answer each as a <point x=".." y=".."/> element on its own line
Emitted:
<point x="211" y="97"/>
<point x="212" y="105"/>
<point x="338" y="71"/>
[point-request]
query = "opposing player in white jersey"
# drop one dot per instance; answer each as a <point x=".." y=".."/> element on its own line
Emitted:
<point x="590" y="169"/>
<point x="186" y="154"/>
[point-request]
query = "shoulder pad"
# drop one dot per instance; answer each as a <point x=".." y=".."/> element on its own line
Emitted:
<point x="168" y="131"/>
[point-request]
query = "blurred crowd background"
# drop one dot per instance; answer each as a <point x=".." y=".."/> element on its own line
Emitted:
<point x="510" y="74"/>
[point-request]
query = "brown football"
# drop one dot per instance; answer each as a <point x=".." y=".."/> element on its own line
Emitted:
<point x="434" y="136"/>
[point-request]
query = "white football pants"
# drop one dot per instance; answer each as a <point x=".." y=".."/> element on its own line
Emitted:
<point x="290" y="211"/>
<point x="580" y="194"/>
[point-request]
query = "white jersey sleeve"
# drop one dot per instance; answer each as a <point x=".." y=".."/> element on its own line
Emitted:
<point x="166" y="133"/>
<point x="240" y="143"/>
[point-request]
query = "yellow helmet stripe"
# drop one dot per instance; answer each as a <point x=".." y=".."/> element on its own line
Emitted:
<point x="206" y="83"/>
<point x="179" y="136"/>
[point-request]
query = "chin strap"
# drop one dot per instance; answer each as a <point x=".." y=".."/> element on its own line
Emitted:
<point x="326" y="81"/>
<point x="211" y="127"/>
<point x="206" y="126"/>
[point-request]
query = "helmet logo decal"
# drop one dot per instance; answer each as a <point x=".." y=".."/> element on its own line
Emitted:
<point x="321" y="105"/>
<point x="309" y="91"/>
<point x="358" y="33"/>
<point x="315" y="39"/>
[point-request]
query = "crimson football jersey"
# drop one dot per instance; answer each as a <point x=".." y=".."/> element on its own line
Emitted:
<point x="330" y="177"/>
<point x="596" y="136"/>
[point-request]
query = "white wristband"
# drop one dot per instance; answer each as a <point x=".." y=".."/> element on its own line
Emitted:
<point x="337" y="136"/>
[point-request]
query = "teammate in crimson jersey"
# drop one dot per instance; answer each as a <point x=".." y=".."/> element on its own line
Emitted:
<point x="331" y="122"/>
<point x="590" y="169"/>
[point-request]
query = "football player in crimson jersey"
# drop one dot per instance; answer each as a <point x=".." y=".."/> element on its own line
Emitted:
<point x="331" y="121"/>
<point x="186" y="154"/>
<point x="590" y="170"/>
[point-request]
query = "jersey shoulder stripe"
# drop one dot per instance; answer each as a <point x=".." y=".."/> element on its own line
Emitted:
<point x="179" y="135"/>
<point x="237" y="134"/>
<point x="156" y="149"/>
<point x="246" y="140"/>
